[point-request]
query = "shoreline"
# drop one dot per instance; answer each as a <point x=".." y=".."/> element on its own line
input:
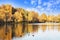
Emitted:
<point x="44" y="23"/>
<point x="32" y="23"/>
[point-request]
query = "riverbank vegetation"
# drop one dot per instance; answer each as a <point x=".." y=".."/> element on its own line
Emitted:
<point x="10" y="14"/>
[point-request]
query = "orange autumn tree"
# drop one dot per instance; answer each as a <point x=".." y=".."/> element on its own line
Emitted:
<point x="7" y="9"/>
<point x="2" y="15"/>
<point x="18" y="17"/>
<point x="33" y="16"/>
<point x="50" y="18"/>
<point x="21" y="15"/>
<point x="9" y="13"/>
<point x="58" y="17"/>
<point x="43" y="18"/>
<point x="30" y="16"/>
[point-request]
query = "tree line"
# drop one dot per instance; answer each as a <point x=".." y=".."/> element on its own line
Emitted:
<point x="11" y="14"/>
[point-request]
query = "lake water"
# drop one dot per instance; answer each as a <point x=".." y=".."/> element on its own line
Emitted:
<point x="29" y="32"/>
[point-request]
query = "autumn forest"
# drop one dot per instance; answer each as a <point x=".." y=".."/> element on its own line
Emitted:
<point x="11" y="14"/>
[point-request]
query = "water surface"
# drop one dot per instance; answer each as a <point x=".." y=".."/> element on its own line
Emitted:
<point x="29" y="32"/>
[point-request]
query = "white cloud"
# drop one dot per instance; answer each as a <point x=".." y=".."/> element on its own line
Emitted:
<point x="25" y="2"/>
<point x="32" y="9"/>
<point x="48" y="5"/>
<point x="38" y="7"/>
<point x="44" y="3"/>
<point x="57" y="1"/>
<point x="39" y="2"/>
<point x="45" y="9"/>
<point x="54" y="2"/>
<point x="33" y="1"/>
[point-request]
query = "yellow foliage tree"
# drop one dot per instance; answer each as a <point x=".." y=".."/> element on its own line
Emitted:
<point x="18" y="16"/>
<point x="58" y="17"/>
<point x="30" y="16"/>
<point x="43" y="18"/>
<point x="51" y="18"/>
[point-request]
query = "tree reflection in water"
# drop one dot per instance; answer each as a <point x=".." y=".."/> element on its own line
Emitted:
<point x="9" y="31"/>
<point x="5" y="33"/>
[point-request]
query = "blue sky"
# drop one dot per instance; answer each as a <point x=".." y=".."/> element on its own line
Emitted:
<point x="40" y="6"/>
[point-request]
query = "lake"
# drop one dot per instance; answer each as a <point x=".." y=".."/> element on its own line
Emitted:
<point x="32" y="31"/>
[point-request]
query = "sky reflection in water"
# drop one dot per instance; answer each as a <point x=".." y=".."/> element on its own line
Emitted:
<point x="43" y="32"/>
